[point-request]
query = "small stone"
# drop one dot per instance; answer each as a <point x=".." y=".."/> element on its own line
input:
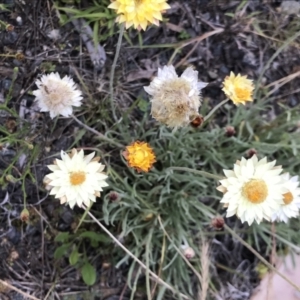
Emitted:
<point x="213" y="74"/>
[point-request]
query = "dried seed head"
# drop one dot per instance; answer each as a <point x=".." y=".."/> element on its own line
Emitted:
<point x="175" y="100"/>
<point x="148" y="216"/>
<point x="20" y="55"/>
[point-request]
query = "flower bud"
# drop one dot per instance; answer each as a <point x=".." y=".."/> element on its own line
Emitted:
<point x="188" y="252"/>
<point x="24" y="216"/>
<point x="11" y="125"/>
<point x="148" y="217"/>
<point x="217" y="223"/>
<point x="114" y="196"/>
<point x="230" y="131"/>
<point x="197" y="121"/>
<point x="10" y="27"/>
<point x="11" y="178"/>
<point x="251" y="152"/>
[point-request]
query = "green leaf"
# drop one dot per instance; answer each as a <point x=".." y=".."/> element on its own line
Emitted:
<point x="62" y="237"/>
<point x="88" y="274"/>
<point x="143" y="105"/>
<point x="93" y="236"/>
<point x="61" y="251"/>
<point x="73" y="259"/>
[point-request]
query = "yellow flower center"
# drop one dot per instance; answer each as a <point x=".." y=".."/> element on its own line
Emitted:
<point x="77" y="178"/>
<point x="139" y="156"/>
<point x="288" y="198"/>
<point x="255" y="191"/>
<point x="243" y="93"/>
<point x="55" y="98"/>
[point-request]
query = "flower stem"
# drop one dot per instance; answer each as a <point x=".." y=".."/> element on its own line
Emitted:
<point x="100" y="135"/>
<point x="203" y="173"/>
<point x="83" y="216"/>
<point x="112" y="74"/>
<point x="154" y="276"/>
<point x="214" y="109"/>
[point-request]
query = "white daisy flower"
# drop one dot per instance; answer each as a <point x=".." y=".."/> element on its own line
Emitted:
<point x="175" y="100"/>
<point x="291" y="199"/>
<point x="57" y="95"/>
<point x="253" y="190"/>
<point x="76" y="179"/>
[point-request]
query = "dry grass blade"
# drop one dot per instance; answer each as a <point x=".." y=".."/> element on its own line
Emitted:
<point x="280" y="82"/>
<point x="205" y="270"/>
<point x="17" y="290"/>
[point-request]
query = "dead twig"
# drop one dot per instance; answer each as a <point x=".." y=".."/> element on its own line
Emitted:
<point x="17" y="290"/>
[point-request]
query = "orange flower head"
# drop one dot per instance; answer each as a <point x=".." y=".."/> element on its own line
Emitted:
<point x="140" y="155"/>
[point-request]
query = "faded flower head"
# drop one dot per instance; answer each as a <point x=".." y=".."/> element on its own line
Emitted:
<point x="57" y="95"/>
<point x="253" y="190"/>
<point x="238" y="88"/>
<point x="291" y="199"/>
<point x="139" y="13"/>
<point x="140" y="156"/>
<point x="175" y="100"/>
<point x="76" y="178"/>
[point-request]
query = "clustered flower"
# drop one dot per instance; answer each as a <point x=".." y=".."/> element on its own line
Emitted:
<point x="255" y="190"/>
